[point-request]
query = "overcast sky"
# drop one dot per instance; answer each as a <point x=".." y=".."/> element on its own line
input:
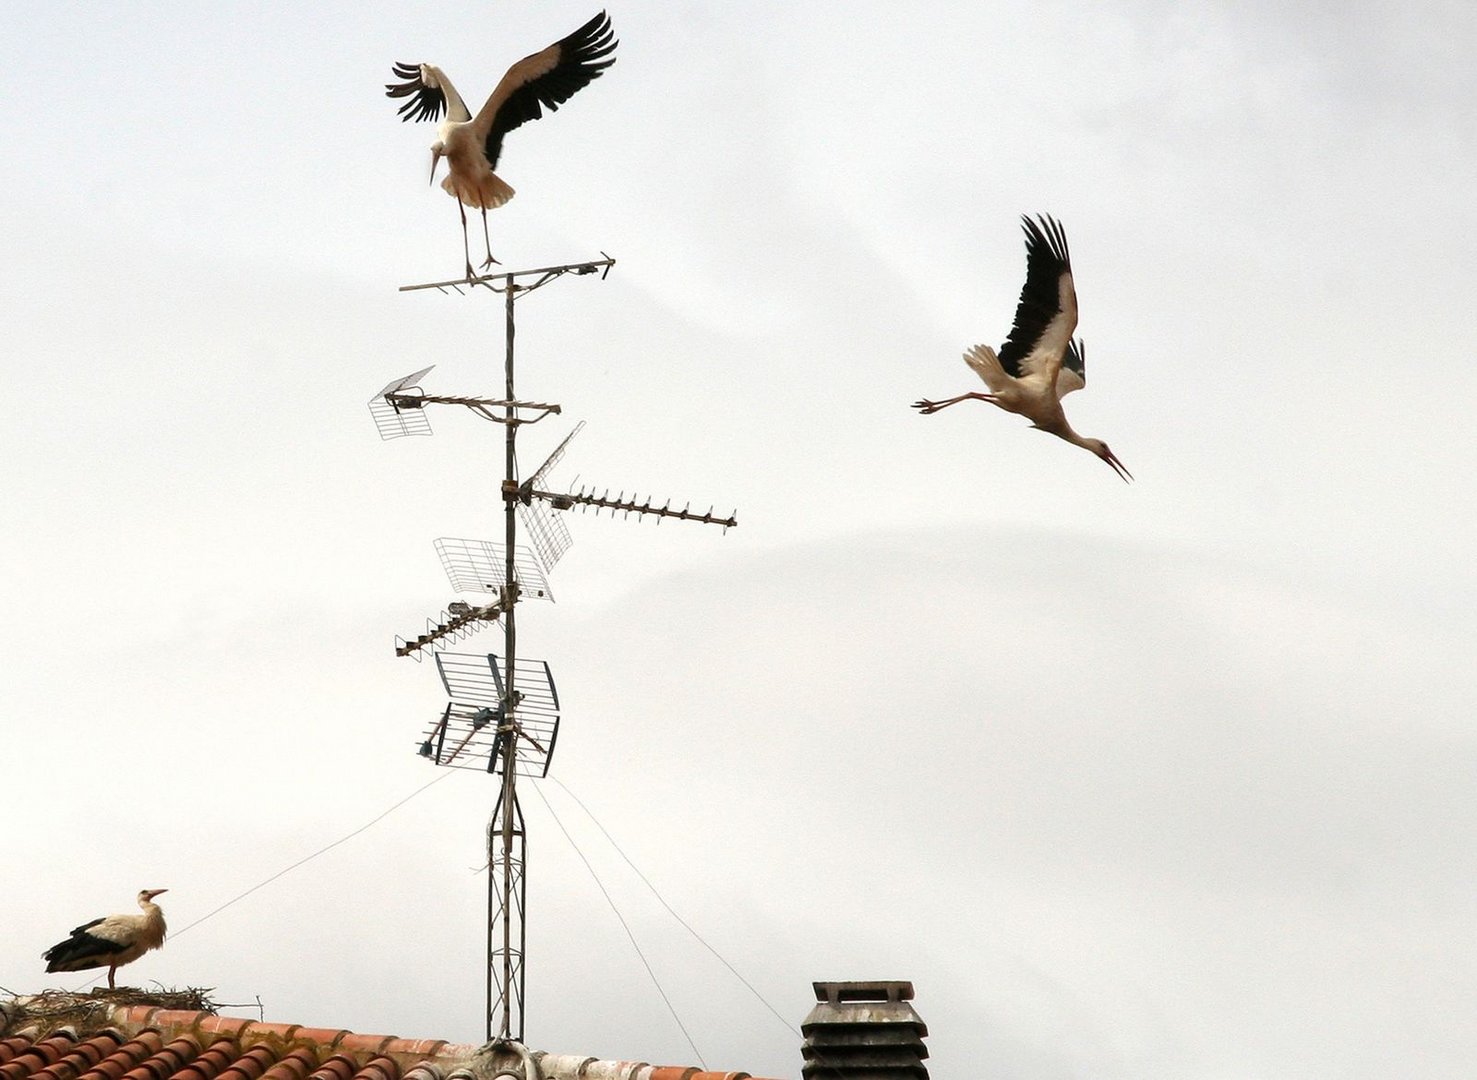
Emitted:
<point x="1170" y="780"/>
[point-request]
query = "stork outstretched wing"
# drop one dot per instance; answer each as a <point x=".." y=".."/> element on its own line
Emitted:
<point x="545" y="79"/>
<point x="1047" y="312"/>
<point x="430" y="91"/>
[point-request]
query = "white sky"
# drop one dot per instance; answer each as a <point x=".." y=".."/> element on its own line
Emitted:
<point x="1170" y="780"/>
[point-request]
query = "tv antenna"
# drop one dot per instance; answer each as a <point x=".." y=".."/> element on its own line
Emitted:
<point x="502" y="716"/>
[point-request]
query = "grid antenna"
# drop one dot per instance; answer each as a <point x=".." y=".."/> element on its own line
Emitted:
<point x="550" y="537"/>
<point x="502" y="714"/>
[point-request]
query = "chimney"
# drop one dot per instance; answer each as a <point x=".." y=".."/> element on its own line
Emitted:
<point x="864" y="1031"/>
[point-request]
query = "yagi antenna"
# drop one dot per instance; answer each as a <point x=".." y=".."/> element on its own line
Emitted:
<point x="458" y="621"/>
<point x="502" y="713"/>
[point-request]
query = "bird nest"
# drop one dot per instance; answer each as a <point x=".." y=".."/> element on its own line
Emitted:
<point x="52" y="1009"/>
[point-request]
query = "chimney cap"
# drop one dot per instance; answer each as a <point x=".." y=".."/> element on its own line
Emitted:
<point x="837" y="993"/>
<point x="863" y="1031"/>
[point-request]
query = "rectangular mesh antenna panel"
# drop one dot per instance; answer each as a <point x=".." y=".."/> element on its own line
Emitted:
<point x="466" y="735"/>
<point x="550" y="537"/>
<point x="478" y="566"/>
<point x="392" y="422"/>
<point x="548" y="533"/>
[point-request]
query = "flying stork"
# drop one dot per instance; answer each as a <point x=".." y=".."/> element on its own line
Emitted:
<point x="1040" y="362"/>
<point x="471" y="144"/>
<point x="111" y="941"/>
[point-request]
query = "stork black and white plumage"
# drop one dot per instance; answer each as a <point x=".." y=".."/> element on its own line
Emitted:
<point x="471" y="144"/>
<point x="111" y="941"/>
<point x="1040" y="363"/>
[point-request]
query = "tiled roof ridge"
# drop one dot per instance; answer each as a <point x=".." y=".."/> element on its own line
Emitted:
<point x="428" y="1059"/>
<point x="404" y="1053"/>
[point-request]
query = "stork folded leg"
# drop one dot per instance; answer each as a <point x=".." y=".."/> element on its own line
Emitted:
<point x="490" y="260"/>
<point x="112" y="971"/>
<point x="926" y="407"/>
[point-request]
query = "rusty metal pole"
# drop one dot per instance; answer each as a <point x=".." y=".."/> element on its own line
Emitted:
<point x="506" y="874"/>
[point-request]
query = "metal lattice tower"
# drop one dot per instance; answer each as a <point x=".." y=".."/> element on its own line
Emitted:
<point x="503" y="712"/>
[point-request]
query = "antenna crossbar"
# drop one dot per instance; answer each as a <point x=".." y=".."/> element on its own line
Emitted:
<point x="510" y="277"/>
<point x="481" y="406"/>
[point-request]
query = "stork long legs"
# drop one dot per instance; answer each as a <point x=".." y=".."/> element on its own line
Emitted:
<point x="466" y="251"/>
<point x="490" y="260"/>
<point x="461" y="209"/>
<point x="926" y="407"/>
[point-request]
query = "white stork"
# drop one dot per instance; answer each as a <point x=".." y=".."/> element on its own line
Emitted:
<point x="111" y="941"/>
<point x="471" y="144"/>
<point x="1040" y="363"/>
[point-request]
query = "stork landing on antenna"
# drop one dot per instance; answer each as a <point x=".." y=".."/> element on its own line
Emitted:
<point x="471" y="144"/>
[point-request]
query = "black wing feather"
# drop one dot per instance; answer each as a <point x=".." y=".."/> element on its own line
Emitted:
<point x="81" y="949"/>
<point x="1047" y="259"/>
<point x="583" y="57"/>
<point x="426" y="103"/>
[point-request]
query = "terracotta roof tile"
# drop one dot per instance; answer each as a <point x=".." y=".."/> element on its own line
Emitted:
<point x="337" y="1067"/>
<point x="170" y="1060"/>
<point x="210" y="1064"/>
<point x="127" y="1057"/>
<point x="216" y="1025"/>
<point x="82" y="1059"/>
<point x="371" y="1044"/>
<point x="297" y="1065"/>
<point x="324" y="1036"/>
<point x="251" y="1065"/>
<point x="35" y="1057"/>
<point x="594" y="1069"/>
<point x="15" y="1048"/>
<point x="150" y="1043"/>
<point x="414" y="1047"/>
<point x="380" y="1068"/>
<point x="166" y="1061"/>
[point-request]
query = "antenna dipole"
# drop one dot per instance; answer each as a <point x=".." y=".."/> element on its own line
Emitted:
<point x="503" y="711"/>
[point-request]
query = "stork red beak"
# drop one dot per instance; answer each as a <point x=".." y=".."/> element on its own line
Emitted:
<point x="1112" y="459"/>
<point x="156" y="892"/>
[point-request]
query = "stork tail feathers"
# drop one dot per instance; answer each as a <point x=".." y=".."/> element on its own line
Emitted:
<point x="486" y="192"/>
<point x="984" y="363"/>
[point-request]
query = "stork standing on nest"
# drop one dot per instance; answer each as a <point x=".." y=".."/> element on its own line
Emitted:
<point x="471" y="144"/>
<point x="111" y="941"/>
<point x="1040" y="363"/>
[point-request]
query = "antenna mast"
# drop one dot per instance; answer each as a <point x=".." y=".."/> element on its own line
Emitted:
<point x="503" y="716"/>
